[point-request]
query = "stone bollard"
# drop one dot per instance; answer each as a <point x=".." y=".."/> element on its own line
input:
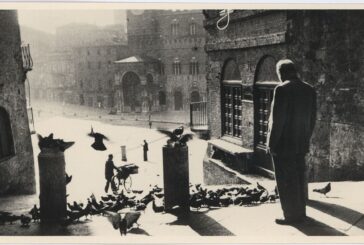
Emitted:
<point x="53" y="202"/>
<point x="176" y="178"/>
<point x="123" y="153"/>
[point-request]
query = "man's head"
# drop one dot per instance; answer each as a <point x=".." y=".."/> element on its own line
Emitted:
<point x="110" y="156"/>
<point x="286" y="70"/>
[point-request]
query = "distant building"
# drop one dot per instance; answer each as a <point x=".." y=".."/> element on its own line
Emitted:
<point x="166" y="67"/>
<point x="16" y="154"/>
<point x="327" y="48"/>
<point x="94" y="73"/>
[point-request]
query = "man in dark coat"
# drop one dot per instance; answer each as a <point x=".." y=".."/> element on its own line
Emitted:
<point x="291" y="123"/>
<point x="109" y="171"/>
<point x="145" y="151"/>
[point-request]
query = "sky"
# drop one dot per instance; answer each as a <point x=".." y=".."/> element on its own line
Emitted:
<point x="49" y="20"/>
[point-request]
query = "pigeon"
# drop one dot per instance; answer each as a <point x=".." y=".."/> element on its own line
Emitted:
<point x="324" y="190"/>
<point x="178" y="131"/>
<point x="184" y="139"/>
<point x="99" y="143"/>
<point x="25" y="220"/>
<point x="55" y="144"/>
<point x="35" y="213"/>
<point x="68" y="179"/>
<point x="123" y="221"/>
<point x="260" y="187"/>
<point x="176" y="137"/>
<point x="158" y="205"/>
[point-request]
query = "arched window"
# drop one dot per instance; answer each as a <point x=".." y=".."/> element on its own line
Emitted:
<point x="231" y="97"/>
<point x="178" y="102"/>
<point x="6" y="136"/>
<point x="174" y="27"/>
<point x="193" y="66"/>
<point x="162" y="98"/>
<point x="176" y="67"/>
<point x="195" y="96"/>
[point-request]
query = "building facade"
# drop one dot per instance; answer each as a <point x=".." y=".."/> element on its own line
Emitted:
<point x="327" y="49"/>
<point x="94" y="66"/>
<point x="166" y="67"/>
<point x="16" y="153"/>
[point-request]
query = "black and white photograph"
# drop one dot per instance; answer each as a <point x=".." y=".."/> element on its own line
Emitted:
<point x="154" y="123"/>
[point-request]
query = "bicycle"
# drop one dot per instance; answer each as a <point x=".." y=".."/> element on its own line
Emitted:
<point x="122" y="177"/>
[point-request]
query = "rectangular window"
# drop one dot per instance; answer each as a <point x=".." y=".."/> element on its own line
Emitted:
<point x="193" y="29"/>
<point x="264" y="100"/>
<point x="232" y="110"/>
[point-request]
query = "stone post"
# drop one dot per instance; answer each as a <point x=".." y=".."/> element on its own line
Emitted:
<point x="53" y="202"/>
<point x="176" y="178"/>
<point x="123" y="153"/>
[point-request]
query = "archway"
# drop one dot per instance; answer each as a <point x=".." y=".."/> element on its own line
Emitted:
<point x="131" y="90"/>
<point x="265" y="81"/>
<point x="178" y="101"/>
<point x="195" y="96"/>
<point x="6" y="136"/>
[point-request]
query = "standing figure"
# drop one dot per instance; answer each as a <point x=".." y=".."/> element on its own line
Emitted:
<point x="291" y="123"/>
<point x="109" y="171"/>
<point x="145" y="151"/>
<point x="150" y="121"/>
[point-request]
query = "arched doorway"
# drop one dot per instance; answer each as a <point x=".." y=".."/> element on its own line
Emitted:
<point x="6" y="136"/>
<point x="231" y="108"/>
<point x="265" y="81"/>
<point x="178" y="101"/>
<point x="131" y="90"/>
<point x="195" y="96"/>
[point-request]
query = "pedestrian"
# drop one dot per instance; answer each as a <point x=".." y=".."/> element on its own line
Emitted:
<point x="150" y="121"/>
<point x="109" y="172"/>
<point x="291" y="123"/>
<point x="145" y="151"/>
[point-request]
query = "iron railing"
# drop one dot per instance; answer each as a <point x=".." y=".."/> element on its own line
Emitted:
<point x="198" y="116"/>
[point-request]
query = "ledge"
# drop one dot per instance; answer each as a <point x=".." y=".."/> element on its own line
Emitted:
<point x="229" y="147"/>
<point x="247" y="42"/>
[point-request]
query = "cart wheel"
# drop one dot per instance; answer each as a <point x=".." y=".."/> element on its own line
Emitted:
<point x="115" y="183"/>
<point x="127" y="184"/>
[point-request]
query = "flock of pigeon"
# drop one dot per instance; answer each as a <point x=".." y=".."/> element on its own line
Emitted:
<point x="123" y="210"/>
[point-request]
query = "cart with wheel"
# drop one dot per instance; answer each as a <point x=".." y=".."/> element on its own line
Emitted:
<point x="122" y="177"/>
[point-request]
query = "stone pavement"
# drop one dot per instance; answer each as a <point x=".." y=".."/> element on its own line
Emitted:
<point x="340" y="214"/>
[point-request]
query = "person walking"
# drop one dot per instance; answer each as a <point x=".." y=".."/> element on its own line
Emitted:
<point x="145" y="151"/>
<point x="291" y="123"/>
<point x="109" y="172"/>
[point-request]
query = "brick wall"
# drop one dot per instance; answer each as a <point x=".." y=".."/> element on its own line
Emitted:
<point x="17" y="173"/>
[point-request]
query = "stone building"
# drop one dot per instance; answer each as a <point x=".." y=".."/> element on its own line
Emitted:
<point x="16" y="153"/>
<point x="327" y="47"/>
<point x="94" y="66"/>
<point x="166" y="68"/>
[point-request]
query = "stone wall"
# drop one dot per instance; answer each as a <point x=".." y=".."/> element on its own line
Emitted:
<point x="17" y="172"/>
<point x="327" y="47"/>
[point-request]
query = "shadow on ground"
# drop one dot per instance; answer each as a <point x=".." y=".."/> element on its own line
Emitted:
<point x="346" y="214"/>
<point x="312" y="227"/>
<point x="202" y="224"/>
